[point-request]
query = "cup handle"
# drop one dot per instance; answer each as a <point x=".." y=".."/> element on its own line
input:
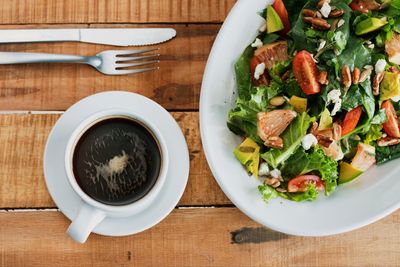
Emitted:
<point x="83" y="224"/>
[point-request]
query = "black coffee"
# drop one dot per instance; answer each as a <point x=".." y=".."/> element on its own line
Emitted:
<point x="116" y="161"/>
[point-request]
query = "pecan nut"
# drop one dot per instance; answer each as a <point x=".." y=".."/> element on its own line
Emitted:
<point x="321" y="3"/>
<point x="323" y="77"/>
<point x="376" y="83"/>
<point x="308" y="19"/>
<point x="320" y="24"/>
<point x="355" y="76"/>
<point x="364" y="75"/>
<point x="274" y="182"/>
<point x="309" y="13"/>
<point x="388" y="141"/>
<point x="336" y="13"/>
<point x="346" y="76"/>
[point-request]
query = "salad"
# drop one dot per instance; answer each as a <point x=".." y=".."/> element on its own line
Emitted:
<point x="318" y="95"/>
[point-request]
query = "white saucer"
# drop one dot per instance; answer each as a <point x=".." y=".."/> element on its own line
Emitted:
<point x="178" y="170"/>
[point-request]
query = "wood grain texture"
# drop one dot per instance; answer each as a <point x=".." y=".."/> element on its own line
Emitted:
<point x="185" y="238"/>
<point x="112" y="11"/>
<point x="57" y="86"/>
<point x="22" y="141"/>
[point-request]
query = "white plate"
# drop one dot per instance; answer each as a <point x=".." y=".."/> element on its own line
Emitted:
<point x="372" y="196"/>
<point x="178" y="170"/>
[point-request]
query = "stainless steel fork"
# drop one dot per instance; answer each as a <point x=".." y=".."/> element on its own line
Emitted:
<point x="110" y="62"/>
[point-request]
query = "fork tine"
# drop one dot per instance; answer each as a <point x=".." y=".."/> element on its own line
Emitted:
<point x="122" y="53"/>
<point x="127" y="71"/>
<point x="127" y="65"/>
<point x="122" y="59"/>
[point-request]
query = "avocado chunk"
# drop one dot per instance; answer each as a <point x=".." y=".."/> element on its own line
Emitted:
<point x="274" y="22"/>
<point x="347" y="172"/>
<point x="325" y="122"/>
<point x="390" y="86"/>
<point x="248" y="153"/>
<point x="299" y="104"/>
<point x="369" y="25"/>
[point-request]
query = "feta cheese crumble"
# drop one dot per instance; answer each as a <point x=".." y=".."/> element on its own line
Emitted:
<point x="325" y="10"/>
<point x="334" y="97"/>
<point x="275" y="173"/>
<point x="396" y="98"/>
<point x="263" y="170"/>
<point x="308" y="141"/>
<point x="257" y="43"/>
<point x="260" y="68"/>
<point x="380" y="66"/>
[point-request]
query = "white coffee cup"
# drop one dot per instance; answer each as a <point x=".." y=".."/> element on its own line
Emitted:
<point x="92" y="212"/>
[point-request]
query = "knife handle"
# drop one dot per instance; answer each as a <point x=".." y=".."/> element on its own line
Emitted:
<point x="42" y="35"/>
<point x="20" y="58"/>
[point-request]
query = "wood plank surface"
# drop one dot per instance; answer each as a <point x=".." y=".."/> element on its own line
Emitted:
<point x="112" y="11"/>
<point x="185" y="238"/>
<point x="22" y="141"/>
<point x="176" y="85"/>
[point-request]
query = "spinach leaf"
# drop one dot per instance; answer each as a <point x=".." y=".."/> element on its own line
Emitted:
<point x="352" y="98"/>
<point x="291" y="140"/>
<point x="386" y="153"/>
<point x="317" y="162"/>
<point x="380" y="117"/>
<point x="270" y="38"/>
<point x="355" y="54"/>
<point x="294" y="9"/>
<point x="242" y="71"/>
<point x="367" y="97"/>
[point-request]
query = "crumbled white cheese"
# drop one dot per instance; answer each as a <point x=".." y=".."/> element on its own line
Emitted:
<point x="396" y="98"/>
<point x="263" y="27"/>
<point x="260" y="68"/>
<point x="275" y="173"/>
<point x="340" y="23"/>
<point x="257" y="43"/>
<point x="263" y="170"/>
<point x="325" y="10"/>
<point x="384" y="135"/>
<point x="334" y="97"/>
<point x="368" y="42"/>
<point x="308" y="141"/>
<point x="380" y="66"/>
<point x="384" y="19"/>
<point x="321" y="44"/>
<point x="371" y="46"/>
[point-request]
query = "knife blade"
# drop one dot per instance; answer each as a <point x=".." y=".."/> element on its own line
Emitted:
<point x="107" y="36"/>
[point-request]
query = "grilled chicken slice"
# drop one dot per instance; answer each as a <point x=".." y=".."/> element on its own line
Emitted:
<point x="271" y="54"/>
<point x="392" y="48"/>
<point x="272" y="124"/>
<point x="364" y="158"/>
<point x="334" y="151"/>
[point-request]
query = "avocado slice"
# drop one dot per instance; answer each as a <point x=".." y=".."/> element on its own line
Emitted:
<point x="325" y="122"/>
<point x="274" y="22"/>
<point x="248" y="153"/>
<point x="347" y="172"/>
<point x="369" y="25"/>
<point x="299" y="104"/>
<point x="390" y="86"/>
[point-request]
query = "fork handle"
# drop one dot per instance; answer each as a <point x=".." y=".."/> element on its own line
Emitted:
<point x="20" y="57"/>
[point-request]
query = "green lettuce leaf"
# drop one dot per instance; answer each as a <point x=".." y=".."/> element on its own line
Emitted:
<point x="374" y="133"/>
<point x="242" y="71"/>
<point x="291" y="140"/>
<point x="267" y="192"/>
<point x="316" y="162"/>
<point x="309" y="195"/>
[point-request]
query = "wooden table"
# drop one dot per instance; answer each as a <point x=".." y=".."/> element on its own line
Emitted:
<point x="205" y="229"/>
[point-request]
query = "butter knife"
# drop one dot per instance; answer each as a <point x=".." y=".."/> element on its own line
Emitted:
<point x="107" y="36"/>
